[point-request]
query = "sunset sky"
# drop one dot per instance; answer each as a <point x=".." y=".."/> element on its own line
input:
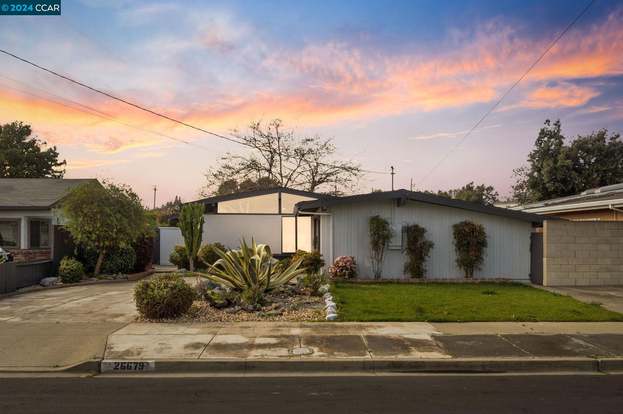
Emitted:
<point x="393" y="83"/>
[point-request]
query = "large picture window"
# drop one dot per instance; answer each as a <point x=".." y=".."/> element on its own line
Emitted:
<point x="9" y="233"/>
<point x="39" y="233"/>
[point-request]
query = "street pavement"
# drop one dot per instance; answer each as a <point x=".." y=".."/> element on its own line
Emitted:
<point x="437" y="393"/>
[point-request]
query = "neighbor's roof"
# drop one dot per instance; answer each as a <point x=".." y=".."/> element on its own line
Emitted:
<point x="35" y="193"/>
<point x="253" y="193"/>
<point x="595" y="198"/>
<point x="421" y="197"/>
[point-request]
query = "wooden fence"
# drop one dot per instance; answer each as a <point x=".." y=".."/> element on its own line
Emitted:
<point x="16" y="275"/>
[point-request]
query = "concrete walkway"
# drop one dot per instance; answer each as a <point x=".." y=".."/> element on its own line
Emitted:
<point x="610" y="297"/>
<point x="60" y="327"/>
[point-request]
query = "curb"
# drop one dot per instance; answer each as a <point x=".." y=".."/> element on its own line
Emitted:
<point x="431" y="366"/>
<point x="84" y="367"/>
<point x="352" y="366"/>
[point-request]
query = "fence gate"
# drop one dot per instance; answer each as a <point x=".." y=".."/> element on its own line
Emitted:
<point x="536" y="258"/>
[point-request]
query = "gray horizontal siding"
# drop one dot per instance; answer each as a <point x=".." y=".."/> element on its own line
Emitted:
<point x="508" y="254"/>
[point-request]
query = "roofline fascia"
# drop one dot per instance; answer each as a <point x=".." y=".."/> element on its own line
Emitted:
<point x="594" y="205"/>
<point x="26" y="208"/>
<point x="433" y="199"/>
<point x="259" y="192"/>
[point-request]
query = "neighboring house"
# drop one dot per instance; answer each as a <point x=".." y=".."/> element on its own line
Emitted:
<point x="596" y="204"/>
<point x="29" y="215"/>
<point x="267" y="216"/>
<point x="343" y="231"/>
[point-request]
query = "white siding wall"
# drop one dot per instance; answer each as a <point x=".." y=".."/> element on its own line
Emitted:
<point x="229" y="229"/>
<point x="507" y="255"/>
<point x="326" y="239"/>
<point x="169" y="238"/>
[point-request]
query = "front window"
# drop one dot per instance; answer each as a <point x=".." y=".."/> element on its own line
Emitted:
<point x="9" y="233"/>
<point x="39" y="233"/>
<point x="296" y="234"/>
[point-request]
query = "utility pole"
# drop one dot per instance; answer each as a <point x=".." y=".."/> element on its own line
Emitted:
<point x="155" y="189"/>
<point x="392" y="173"/>
<point x="411" y="187"/>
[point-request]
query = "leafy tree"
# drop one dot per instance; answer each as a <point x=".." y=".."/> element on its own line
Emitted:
<point x="481" y="193"/>
<point x="21" y="155"/>
<point x="191" y="226"/>
<point x="167" y="214"/>
<point x="556" y="169"/>
<point x="232" y="186"/>
<point x="417" y="250"/>
<point x="380" y="234"/>
<point x="278" y="158"/>
<point x="470" y="242"/>
<point x="104" y="217"/>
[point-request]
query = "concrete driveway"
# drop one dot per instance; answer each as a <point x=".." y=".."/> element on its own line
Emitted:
<point x="610" y="297"/>
<point x="61" y="327"/>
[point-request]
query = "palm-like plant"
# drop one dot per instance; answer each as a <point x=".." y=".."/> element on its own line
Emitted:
<point x="251" y="268"/>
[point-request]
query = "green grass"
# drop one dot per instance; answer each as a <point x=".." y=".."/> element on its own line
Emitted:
<point x="445" y="302"/>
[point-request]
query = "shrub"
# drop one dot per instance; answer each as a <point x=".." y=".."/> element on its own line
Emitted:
<point x="343" y="267"/>
<point x="470" y="242"/>
<point x="70" y="270"/>
<point x="312" y="262"/>
<point x="251" y="270"/>
<point x="119" y="260"/>
<point x="207" y="254"/>
<point x="312" y="281"/>
<point x="179" y="257"/>
<point x="143" y="249"/>
<point x="163" y="297"/>
<point x="380" y="234"/>
<point x="417" y="250"/>
<point x="191" y="227"/>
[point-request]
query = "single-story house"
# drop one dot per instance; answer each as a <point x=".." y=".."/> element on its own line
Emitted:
<point x="289" y="220"/>
<point x="266" y="215"/>
<point x="596" y="204"/>
<point x="343" y="231"/>
<point x="30" y="216"/>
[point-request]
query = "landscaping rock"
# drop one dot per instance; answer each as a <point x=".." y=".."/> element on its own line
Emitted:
<point x="48" y="281"/>
<point x="331" y="317"/>
<point x="324" y="289"/>
<point x="234" y="309"/>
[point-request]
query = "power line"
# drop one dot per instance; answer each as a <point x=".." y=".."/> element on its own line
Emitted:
<point x="111" y="96"/>
<point x="145" y="109"/>
<point x="91" y="111"/>
<point x="499" y="101"/>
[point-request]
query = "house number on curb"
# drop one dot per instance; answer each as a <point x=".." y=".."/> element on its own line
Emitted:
<point x="127" y="366"/>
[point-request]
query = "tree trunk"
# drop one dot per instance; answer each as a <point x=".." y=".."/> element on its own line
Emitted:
<point x="191" y="264"/>
<point x="98" y="264"/>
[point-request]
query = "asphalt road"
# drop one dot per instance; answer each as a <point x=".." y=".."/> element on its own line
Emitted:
<point x="370" y="394"/>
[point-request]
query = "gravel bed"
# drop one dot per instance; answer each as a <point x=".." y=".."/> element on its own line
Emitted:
<point x="281" y="308"/>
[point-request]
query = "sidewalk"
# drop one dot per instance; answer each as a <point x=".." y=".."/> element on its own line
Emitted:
<point x="288" y="347"/>
<point x="335" y="347"/>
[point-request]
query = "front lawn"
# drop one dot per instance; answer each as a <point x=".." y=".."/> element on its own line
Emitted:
<point x="450" y="302"/>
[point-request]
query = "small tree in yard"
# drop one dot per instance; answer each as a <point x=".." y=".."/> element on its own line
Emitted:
<point x="104" y="217"/>
<point x="191" y="226"/>
<point x="417" y="250"/>
<point x="380" y="234"/>
<point x="470" y="242"/>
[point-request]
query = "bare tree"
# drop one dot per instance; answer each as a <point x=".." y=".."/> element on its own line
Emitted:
<point x="278" y="157"/>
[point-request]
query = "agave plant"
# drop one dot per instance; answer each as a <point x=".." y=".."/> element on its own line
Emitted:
<point x="251" y="268"/>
